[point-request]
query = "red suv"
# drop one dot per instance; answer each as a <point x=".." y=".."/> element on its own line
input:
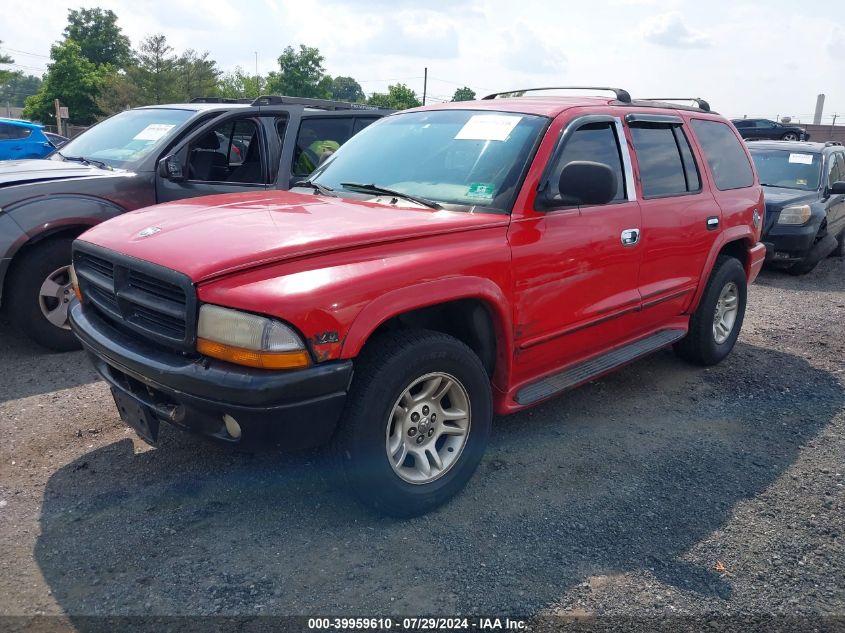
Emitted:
<point x="446" y="264"/>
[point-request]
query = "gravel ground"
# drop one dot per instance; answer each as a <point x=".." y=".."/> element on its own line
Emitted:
<point x="662" y="490"/>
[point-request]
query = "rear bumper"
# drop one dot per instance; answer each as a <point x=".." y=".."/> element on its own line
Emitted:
<point x="297" y="409"/>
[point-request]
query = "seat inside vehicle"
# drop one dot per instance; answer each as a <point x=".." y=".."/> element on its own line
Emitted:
<point x="207" y="162"/>
<point x="250" y="169"/>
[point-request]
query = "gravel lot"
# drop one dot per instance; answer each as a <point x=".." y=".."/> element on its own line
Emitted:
<point x="661" y="490"/>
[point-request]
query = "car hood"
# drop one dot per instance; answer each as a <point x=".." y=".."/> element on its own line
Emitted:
<point x="779" y="197"/>
<point x="17" y="172"/>
<point x="216" y="235"/>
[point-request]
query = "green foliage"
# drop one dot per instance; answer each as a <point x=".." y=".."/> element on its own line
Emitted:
<point x="239" y="85"/>
<point x="18" y="88"/>
<point x="398" y="97"/>
<point x="301" y="74"/>
<point x="99" y="37"/>
<point x="6" y="75"/>
<point x="464" y="94"/>
<point x="117" y="92"/>
<point x="73" y="80"/>
<point x="346" y="89"/>
<point x="197" y="75"/>
<point x="155" y="73"/>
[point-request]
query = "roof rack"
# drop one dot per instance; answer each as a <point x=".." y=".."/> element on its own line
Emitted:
<point x="621" y="95"/>
<point x="219" y="100"/>
<point x="322" y="104"/>
<point x="699" y="102"/>
<point x="830" y="143"/>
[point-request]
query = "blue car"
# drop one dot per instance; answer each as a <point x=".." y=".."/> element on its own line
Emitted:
<point x="22" y="139"/>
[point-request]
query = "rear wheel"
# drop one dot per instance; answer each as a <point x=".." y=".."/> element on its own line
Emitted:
<point x="715" y="325"/>
<point x="416" y="423"/>
<point x="40" y="294"/>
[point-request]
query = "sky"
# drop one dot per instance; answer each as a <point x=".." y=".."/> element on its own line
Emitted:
<point x="762" y="59"/>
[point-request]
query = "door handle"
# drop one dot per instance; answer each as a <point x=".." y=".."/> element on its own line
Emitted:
<point x="712" y="223"/>
<point x="630" y="237"/>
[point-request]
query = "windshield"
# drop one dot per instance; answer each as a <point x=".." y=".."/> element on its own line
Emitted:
<point x="126" y="138"/>
<point x="789" y="169"/>
<point x="462" y="159"/>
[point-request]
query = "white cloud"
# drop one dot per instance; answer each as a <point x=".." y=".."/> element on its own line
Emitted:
<point x="669" y="29"/>
<point x="835" y="44"/>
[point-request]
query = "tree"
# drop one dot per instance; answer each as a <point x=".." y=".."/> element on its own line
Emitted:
<point x="239" y="85"/>
<point x="71" y="79"/>
<point x="99" y="37"/>
<point x="196" y="75"/>
<point x="155" y="72"/>
<point x="117" y="93"/>
<point x="464" y="94"/>
<point x="15" y="91"/>
<point x="346" y="89"/>
<point x="398" y="97"/>
<point x="6" y="75"/>
<point x="301" y="74"/>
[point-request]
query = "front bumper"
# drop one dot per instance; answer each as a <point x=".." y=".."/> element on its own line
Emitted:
<point x="297" y="409"/>
<point x="787" y="243"/>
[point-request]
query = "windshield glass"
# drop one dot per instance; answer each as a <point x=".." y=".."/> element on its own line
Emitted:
<point x="790" y="169"/>
<point x="125" y="138"/>
<point x="462" y="159"/>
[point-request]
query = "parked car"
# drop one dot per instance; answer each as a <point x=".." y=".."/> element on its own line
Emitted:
<point x="56" y="140"/>
<point x="137" y="158"/>
<point x="460" y="260"/>
<point x="804" y="187"/>
<point x="22" y="139"/>
<point x="756" y="129"/>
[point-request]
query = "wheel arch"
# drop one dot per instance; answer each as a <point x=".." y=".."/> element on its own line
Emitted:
<point x="473" y="310"/>
<point x="734" y="243"/>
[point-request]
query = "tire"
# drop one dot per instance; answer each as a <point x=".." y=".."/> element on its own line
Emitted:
<point x="384" y="372"/>
<point x="803" y="267"/>
<point x="789" y="136"/>
<point x="701" y="345"/>
<point x="30" y="273"/>
<point x="839" y="251"/>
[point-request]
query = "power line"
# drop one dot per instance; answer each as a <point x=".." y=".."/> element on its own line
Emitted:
<point x="19" y="52"/>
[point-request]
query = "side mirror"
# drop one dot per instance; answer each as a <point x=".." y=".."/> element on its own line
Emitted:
<point x="582" y="183"/>
<point x="838" y="187"/>
<point x="170" y="167"/>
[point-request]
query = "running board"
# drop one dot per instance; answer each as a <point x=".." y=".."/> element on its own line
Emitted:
<point x="588" y="370"/>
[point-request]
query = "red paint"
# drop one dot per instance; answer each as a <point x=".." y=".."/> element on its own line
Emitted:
<point x="558" y="286"/>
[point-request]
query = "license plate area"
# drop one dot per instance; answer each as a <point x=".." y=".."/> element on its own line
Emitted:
<point x="138" y="416"/>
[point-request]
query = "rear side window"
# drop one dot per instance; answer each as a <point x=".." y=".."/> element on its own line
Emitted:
<point x="595" y="142"/>
<point x="727" y="160"/>
<point x="667" y="167"/>
<point x="13" y="132"/>
<point x="317" y="140"/>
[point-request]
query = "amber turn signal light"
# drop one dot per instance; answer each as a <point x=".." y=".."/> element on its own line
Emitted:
<point x="251" y="358"/>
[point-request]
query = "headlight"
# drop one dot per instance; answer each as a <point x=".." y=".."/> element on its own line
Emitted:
<point x="249" y="339"/>
<point x="794" y="215"/>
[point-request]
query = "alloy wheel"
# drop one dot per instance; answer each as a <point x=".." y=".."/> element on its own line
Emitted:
<point x="54" y="297"/>
<point x="727" y="308"/>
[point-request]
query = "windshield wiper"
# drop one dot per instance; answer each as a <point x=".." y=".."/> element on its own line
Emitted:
<point x="765" y="184"/>
<point x="316" y="186"/>
<point x="86" y="161"/>
<point x="371" y="188"/>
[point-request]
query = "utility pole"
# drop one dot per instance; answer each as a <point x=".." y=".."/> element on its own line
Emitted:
<point x="425" y="83"/>
<point x="257" y="80"/>
<point x="58" y="106"/>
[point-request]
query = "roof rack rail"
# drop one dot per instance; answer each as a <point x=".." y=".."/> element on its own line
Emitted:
<point x="830" y="143"/>
<point x="322" y="104"/>
<point x="699" y="102"/>
<point x="621" y="95"/>
<point x="219" y="100"/>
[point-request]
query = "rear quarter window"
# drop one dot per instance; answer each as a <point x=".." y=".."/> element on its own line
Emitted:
<point x="13" y="132"/>
<point x="725" y="156"/>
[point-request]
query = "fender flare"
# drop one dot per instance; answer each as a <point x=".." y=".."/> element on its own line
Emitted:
<point x="733" y="234"/>
<point x="429" y="293"/>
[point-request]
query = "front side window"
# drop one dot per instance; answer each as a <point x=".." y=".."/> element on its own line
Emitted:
<point x="231" y="152"/>
<point x="126" y="138"/>
<point x="463" y="159"/>
<point x="837" y="168"/>
<point x="665" y="160"/>
<point x="593" y="142"/>
<point x="788" y="169"/>
<point x="724" y="154"/>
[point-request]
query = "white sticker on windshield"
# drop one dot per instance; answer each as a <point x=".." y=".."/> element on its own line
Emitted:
<point x="803" y="159"/>
<point x="488" y="127"/>
<point x="153" y="132"/>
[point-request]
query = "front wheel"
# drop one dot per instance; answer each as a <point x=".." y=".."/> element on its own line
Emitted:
<point x="715" y="325"/>
<point x="416" y="423"/>
<point x="790" y="136"/>
<point x="40" y="294"/>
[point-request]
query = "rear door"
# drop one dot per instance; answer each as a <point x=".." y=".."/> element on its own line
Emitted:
<point x="836" y="204"/>
<point x="318" y="138"/>
<point x="680" y="217"/>
<point x="235" y="152"/>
